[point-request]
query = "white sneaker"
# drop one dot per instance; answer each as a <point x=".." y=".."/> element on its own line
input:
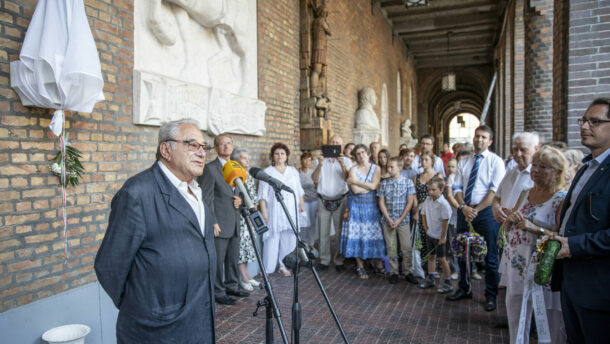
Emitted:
<point x="476" y="276"/>
<point x="455" y="276"/>
<point x="246" y="286"/>
<point x="254" y="283"/>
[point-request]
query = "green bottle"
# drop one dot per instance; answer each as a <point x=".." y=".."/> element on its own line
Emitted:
<point x="545" y="265"/>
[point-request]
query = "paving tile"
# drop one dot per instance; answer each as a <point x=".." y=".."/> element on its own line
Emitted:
<point x="370" y="311"/>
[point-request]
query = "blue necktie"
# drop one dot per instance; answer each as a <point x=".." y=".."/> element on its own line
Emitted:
<point x="472" y="179"/>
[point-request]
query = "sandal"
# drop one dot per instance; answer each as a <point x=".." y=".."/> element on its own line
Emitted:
<point x="380" y="271"/>
<point x="285" y="272"/>
<point x="362" y="273"/>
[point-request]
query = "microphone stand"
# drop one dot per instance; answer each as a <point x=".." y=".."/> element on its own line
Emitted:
<point x="296" y="306"/>
<point x="269" y="301"/>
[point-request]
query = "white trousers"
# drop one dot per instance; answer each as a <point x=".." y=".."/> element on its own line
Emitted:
<point x="277" y="246"/>
<point x="310" y="234"/>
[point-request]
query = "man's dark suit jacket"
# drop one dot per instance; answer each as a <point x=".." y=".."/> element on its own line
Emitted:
<point x="155" y="264"/>
<point x="219" y="196"/>
<point x="586" y="276"/>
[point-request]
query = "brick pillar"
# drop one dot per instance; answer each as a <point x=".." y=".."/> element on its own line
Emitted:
<point x="588" y="60"/>
<point x="560" y="70"/>
<point x="519" y="67"/>
<point x="539" y="67"/>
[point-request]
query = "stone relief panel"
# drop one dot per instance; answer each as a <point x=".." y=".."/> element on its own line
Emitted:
<point x="189" y="51"/>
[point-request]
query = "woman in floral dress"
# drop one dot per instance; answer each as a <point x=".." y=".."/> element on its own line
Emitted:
<point x="246" y="250"/>
<point x="362" y="236"/>
<point x="537" y="215"/>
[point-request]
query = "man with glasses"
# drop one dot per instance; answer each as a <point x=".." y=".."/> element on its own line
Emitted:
<point x="157" y="260"/>
<point x="223" y="202"/>
<point x="426" y="142"/>
<point x="583" y="265"/>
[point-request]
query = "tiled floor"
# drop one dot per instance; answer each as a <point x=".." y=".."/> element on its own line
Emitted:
<point x="371" y="311"/>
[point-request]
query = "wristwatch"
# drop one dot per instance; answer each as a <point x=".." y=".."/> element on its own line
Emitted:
<point x="461" y="206"/>
<point x="541" y="230"/>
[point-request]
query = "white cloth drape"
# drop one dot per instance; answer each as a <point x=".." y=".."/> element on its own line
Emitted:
<point x="59" y="66"/>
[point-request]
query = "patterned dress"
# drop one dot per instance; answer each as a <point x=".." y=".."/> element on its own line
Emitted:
<point x="421" y="190"/>
<point x="246" y="251"/>
<point x="362" y="236"/>
<point x="521" y="245"/>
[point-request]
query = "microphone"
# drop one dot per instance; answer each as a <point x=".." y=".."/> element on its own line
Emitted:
<point x="275" y="183"/>
<point x="234" y="174"/>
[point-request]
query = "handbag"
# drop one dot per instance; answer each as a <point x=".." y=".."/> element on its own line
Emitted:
<point x="331" y="204"/>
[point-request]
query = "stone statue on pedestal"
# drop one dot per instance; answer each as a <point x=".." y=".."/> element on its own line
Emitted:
<point x="407" y="134"/>
<point x="367" y="124"/>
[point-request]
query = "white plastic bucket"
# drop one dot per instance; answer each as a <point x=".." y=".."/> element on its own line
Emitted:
<point x="67" y="334"/>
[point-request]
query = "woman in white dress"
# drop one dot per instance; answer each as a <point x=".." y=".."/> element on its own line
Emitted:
<point x="308" y="234"/>
<point x="537" y="214"/>
<point x="279" y="240"/>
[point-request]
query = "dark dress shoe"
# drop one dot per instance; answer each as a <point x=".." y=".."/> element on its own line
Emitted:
<point x="225" y="300"/>
<point x="490" y="303"/>
<point x="321" y="267"/>
<point x="411" y="279"/>
<point x="393" y="279"/>
<point x="340" y="268"/>
<point x="458" y="295"/>
<point x="239" y="293"/>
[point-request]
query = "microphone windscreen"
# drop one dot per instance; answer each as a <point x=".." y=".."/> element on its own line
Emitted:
<point x="254" y="171"/>
<point x="233" y="170"/>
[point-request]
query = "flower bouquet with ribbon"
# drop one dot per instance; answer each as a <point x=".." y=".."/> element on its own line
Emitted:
<point x="469" y="246"/>
<point x="73" y="167"/>
<point x="547" y="252"/>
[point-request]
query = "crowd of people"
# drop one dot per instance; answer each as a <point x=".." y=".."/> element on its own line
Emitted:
<point x="393" y="216"/>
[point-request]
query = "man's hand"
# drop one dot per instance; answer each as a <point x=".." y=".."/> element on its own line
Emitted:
<point x="565" y="247"/>
<point x="236" y="201"/>
<point x="320" y="160"/>
<point x="500" y="213"/>
<point x="415" y="216"/>
<point x="442" y="241"/>
<point x="216" y="230"/>
<point x="469" y="213"/>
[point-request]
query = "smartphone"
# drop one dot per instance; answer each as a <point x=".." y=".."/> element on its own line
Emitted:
<point x="331" y="151"/>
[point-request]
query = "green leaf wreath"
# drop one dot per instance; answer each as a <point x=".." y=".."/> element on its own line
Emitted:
<point x="74" y="169"/>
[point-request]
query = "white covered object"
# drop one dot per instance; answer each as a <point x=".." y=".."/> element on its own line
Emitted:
<point x="59" y="66"/>
<point x="67" y="334"/>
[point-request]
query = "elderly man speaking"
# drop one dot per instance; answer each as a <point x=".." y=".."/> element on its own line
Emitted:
<point x="157" y="261"/>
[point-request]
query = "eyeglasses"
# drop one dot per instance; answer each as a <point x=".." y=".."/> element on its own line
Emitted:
<point x="193" y="146"/>
<point x="593" y="122"/>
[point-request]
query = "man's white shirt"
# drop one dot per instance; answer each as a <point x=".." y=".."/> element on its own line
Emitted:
<point x="515" y="181"/>
<point x="195" y="202"/>
<point x="331" y="183"/>
<point x="490" y="174"/>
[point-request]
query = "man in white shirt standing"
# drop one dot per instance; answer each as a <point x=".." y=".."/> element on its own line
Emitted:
<point x="516" y="180"/>
<point x="426" y="142"/>
<point x="330" y="175"/>
<point x="477" y="180"/>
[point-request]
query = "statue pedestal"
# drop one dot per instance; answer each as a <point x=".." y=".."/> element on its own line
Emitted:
<point x="366" y="136"/>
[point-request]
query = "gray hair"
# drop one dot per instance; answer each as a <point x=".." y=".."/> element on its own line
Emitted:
<point x="169" y="130"/>
<point x="533" y="138"/>
<point x="237" y="152"/>
<point x="574" y="156"/>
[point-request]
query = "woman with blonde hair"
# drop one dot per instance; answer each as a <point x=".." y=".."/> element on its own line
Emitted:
<point x="535" y="214"/>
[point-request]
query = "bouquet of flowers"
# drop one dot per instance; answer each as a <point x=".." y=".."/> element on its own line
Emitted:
<point x="478" y="247"/>
<point x="502" y="237"/>
<point x="74" y="168"/>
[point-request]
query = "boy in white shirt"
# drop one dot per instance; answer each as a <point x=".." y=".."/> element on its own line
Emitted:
<point x="436" y="213"/>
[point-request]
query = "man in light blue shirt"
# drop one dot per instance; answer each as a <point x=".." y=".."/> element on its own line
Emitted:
<point x="477" y="180"/>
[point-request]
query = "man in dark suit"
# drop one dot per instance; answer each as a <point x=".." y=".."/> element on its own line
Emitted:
<point x="157" y="260"/>
<point x="585" y="229"/>
<point x="223" y="202"/>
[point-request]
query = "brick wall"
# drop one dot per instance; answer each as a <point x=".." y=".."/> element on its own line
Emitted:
<point x="588" y="60"/>
<point x="362" y="52"/>
<point x="560" y="69"/>
<point x="539" y="67"/>
<point x="31" y="240"/>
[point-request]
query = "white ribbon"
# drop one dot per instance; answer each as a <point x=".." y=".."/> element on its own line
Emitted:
<point x="537" y="295"/>
<point x="57" y="122"/>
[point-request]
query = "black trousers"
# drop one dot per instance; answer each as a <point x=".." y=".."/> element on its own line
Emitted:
<point x="584" y="325"/>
